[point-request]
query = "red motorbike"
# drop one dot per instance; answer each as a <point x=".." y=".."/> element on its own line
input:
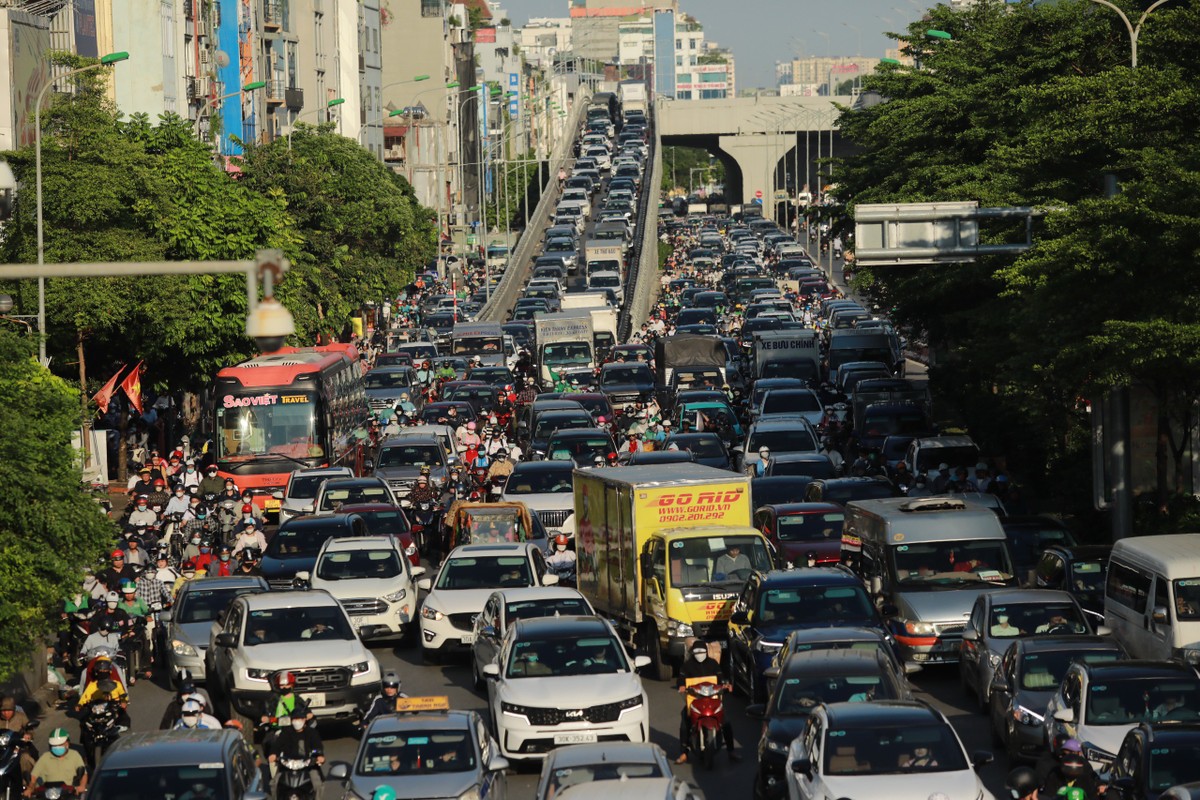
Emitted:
<point x="706" y="718"/>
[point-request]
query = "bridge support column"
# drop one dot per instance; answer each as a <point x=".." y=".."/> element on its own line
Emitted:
<point x="758" y="155"/>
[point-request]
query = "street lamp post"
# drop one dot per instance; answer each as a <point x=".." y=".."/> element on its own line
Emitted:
<point x="337" y="101"/>
<point x="108" y="60"/>
<point x="1134" y="30"/>
<point x="210" y="102"/>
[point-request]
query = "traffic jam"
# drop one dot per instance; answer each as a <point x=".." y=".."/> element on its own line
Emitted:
<point x="679" y="520"/>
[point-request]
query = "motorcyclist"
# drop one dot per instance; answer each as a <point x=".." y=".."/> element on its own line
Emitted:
<point x="13" y="718"/>
<point x="284" y="702"/>
<point x="188" y="573"/>
<point x="700" y="666"/>
<point x="103" y="678"/>
<point x="385" y="701"/>
<point x="230" y="492"/>
<point x="199" y="525"/>
<point x="250" y="535"/>
<point x="248" y="563"/>
<point x="298" y="740"/>
<point x="254" y="511"/>
<point x="763" y="465"/>
<point x="141" y="514"/>
<point x="189" y="477"/>
<point x="224" y="565"/>
<point x="206" y="556"/>
<point x="144" y="483"/>
<point x="110" y="613"/>
<point x="133" y="638"/>
<point x="501" y="467"/>
<point x="1072" y="770"/>
<point x="210" y="483"/>
<point x="1022" y="782"/>
<point x="159" y="497"/>
<point x="163" y="572"/>
<point x="179" y="502"/>
<point x="103" y="711"/>
<point x="61" y="764"/>
<point x="561" y="557"/>
<point x="192" y="717"/>
<point x="422" y="492"/>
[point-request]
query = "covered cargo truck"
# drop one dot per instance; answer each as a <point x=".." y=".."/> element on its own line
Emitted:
<point x="654" y="552"/>
<point x="787" y="354"/>
<point x="688" y="352"/>
<point x="564" y="340"/>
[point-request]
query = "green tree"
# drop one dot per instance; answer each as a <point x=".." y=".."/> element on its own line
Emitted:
<point x="48" y="526"/>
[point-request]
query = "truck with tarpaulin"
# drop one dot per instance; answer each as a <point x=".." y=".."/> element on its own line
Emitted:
<point x="564" y="340"/>
<point x="787" y="354"/>
<point x="662" y="550"/>
<point x="691" y="354"/>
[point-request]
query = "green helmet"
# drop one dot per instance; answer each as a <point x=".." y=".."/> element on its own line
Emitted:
<point x="60" y="736"/>
<point x="384" y="793"/>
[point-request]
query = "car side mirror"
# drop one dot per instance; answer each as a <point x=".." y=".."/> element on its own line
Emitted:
<point x="425" y="584"/>
<point x="999" y="682"/>
<point x="225" y="640"/>
<point x="417" y="572"/>
<point x="497" y="763"/>
<point x="491" y="670"/>
<point x="802" y="766"/>
<point x="304" y="576"/>
<point x="640" y="661"/>
<point x="164" y="615"/>
<point x="338" y="771"/>
<point x="549" y="579"/>
<point x="740" y="618"/>
<point x="369" y="631"/>
<point x="278" y="494"/>
<point x="1159" y="615"/>
<point x="981" y="758"/>
<point x="488" y="630"/>
<point x="756" y="710"/>
<point x="970" y="635"/>
<point x="771" y="672"/>
<point x="1066" y="715"/>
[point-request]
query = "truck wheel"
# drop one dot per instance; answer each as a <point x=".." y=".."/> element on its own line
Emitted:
<point x="660" y="668"/>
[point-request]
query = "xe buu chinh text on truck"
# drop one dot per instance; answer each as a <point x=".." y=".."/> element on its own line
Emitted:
<point x="663" y="551"/>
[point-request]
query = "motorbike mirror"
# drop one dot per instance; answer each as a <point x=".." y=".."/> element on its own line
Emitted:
<point x="32" y="724"/>
<point x="640" y="661"/>
<point x="756" y="710"/>
<point x="549" y="579"/>
<point x="981" y="758"/>
<point x="771" y="672"/>
<point x="488" y="631"/>
<point x="165" y="615"/>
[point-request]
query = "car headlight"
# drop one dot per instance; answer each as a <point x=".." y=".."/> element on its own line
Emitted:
<point x="677" y="628"/>
<point x="1191" y="656"/>
<point x="470" y="794"/>
<point x="361" y="668"/>
<point x="633" y="702"/>
<point x="411" y="550"/>
<point x="182" y="648"/>
<point x="263" y="675"/>
<point x="993" y="660"/>
<point x="513" y="710"/>
<point x="777" y="747"/>
<point x="764" y="646"/>
<point x="430" y="613"/>
<point x="917" y="628"/>
<point x="396" y="597"/>
<point x="1027" y="716"/>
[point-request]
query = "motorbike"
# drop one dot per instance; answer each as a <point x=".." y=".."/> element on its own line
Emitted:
<point x="294" y="779"/>
<point x="12" y="746"/>
<point x="134" y="638"/>
<point x="99" y="729"/>
<point x="227" y="517"/>
<point x="706" y="718"/>
<point x="425" y="526"/>
<point x="54" y="791"/>
<point x="564" y="571"/>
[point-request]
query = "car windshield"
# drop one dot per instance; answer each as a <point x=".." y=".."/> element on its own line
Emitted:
<point x="1133" y="700"/>
<point x="793" y="440"/>
<point x="1089" y="576"/>
<point x="302" y="541"/>
<point x="299" y="624"/>
<point x="346" y="565"/>
<point x="387" y="380"/>
<point x="553" y="607"/>
<point x="701" y="446"/>
<point x="634" y="374"/>
<point x="577" y="774"/>
<point x="952" y="563"/>
<point x="798" y="696"/>
<point x="928" y="458"/>
<point x="1172" y="765"/>
<point x="1044" y="671"/>
<point x="370" y="493"/>
<point x="1187" y="598"/>
<point x="893" y="751"/>
<point x="717" y="560"/>
<point x="410" y="455"/>
<point x="485" y="572"/>
<point x="1026" y="542"/>
<point x="539" y="658"/>
<point x="579" y="449"/>
<point x="304" y="487"/>
<point x="1022" y="619"/>
<point x="782" y="401"/>
<point x="566" y="353"/>
<point x="417" y="752"/>
<point x="888" y="424"/>
<point x="546" y="426"/>
<point x="815" y="605"/>
<point x="206" y="782"/>
<point x="540" y="482"/>
<point x="205" y="605"/>
<point x="822" y="527"/>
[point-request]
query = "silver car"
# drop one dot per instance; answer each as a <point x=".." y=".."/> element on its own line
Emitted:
<point x="298" y="496"/>
<point x="189" y="621"/>
<point x="639" y="772"/>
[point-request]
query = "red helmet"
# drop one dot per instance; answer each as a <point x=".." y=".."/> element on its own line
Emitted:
<point x="189" y="564"/>
<point x="159" y="482"/>
<point x="561" y="540"/>
<point x="285" y="680"/>
<point x="247" y="509"/>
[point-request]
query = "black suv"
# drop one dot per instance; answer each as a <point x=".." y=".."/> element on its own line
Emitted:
<point x="1153" y="758"/>
<point x="175" y="763"/>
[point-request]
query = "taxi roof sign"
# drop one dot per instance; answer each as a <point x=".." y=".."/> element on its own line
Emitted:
<point x="413" y="705"/>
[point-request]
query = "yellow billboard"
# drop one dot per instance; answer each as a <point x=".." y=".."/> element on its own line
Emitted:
<point x="684" y="506"/>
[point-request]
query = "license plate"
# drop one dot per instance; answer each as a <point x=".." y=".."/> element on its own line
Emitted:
<point x="468" y="638"/>
<point x="271" y="503"/>
<point x="574" y="738"/>
<point x="315" y="699"/>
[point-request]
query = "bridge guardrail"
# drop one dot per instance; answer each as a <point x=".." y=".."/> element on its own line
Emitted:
<point x="637" y="299"/>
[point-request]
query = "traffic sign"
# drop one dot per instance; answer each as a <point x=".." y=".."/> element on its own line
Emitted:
<point x="758" y="194"/>
<point x="758" y="201"/>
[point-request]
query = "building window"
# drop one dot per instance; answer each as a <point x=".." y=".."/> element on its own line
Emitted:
<point x="431" y="8"/>
<point x="679" y="44"/>
<point x="679" y="61"/>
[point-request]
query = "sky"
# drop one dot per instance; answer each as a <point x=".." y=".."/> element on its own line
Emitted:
<point x="762" y="32"/>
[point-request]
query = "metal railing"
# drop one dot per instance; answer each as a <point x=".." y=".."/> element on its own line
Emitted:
<point x="642" y="281"/>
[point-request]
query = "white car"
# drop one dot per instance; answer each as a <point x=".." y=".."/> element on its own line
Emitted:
<point x="373" y="581"/>
<point x="546" y="488"/>
<point x="564" y="680"/>
<point x="506" y="606"/>
<point x="298" y="497"/>
<point x="631" y="771"/>
<point x="466" y="579"/>
<point x="896" y="749"/>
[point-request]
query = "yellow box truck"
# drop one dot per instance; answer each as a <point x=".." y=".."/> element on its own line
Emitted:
<point x="663" y="550"/>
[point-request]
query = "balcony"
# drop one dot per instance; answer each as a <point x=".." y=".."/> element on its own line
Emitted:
<point x="293" y="98"/>
<point x="272" y="15"/>
<point x="275" y="92"/>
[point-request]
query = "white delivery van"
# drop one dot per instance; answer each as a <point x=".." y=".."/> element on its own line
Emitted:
<point x="1152" y="596"/>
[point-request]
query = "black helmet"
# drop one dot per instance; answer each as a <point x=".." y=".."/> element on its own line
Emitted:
<point x="1072" y="764"/>
<point x="1022" y="782"/>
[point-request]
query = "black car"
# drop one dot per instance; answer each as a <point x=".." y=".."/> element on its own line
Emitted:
<point x="437" y="413"/>
<point x="773" y="490"/>
<point x="1029" y="536"/>
<point x="178" y="764"/>
<point x="814" y="465"/>
<point x="807" y="679"/>
<point x="773" y="605"/>
<point x="1080" y="570"/>
<point x="1153" y="758"/>
<point x="549" y="422"/>
<point x="845" y="490"/>
<point x="626" y="382"/>
<point x="707" y="448"/>
<point x="295" y="546"/>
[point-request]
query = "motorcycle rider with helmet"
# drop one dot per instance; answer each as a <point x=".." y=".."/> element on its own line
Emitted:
<point x="385" y="701"/>
<point x="700" y="666"/>
<point x="1072" y="771"/>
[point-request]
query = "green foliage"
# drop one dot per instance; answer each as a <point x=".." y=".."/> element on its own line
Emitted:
<point x="511" y="182"/>
<point x="48" y="526"/>
<point x="1031" y="104"/>
<point x="678" y="163"/>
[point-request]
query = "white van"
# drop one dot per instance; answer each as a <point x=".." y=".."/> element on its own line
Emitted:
<point x="1152" y="596"/>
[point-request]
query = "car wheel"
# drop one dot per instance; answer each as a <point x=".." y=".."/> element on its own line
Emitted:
<point x="660" y="669"/>
<point x="1010" y="742"/>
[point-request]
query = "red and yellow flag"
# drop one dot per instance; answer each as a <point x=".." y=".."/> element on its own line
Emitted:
<point x="132" y="385"/>
<point x="104" y="396"/>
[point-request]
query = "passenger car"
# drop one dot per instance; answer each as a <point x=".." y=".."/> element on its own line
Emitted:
<point x="295" y="545"/>
<point x="462" y="586"/>
<point x="298" y="496"/>
<point x="506" y="606"/>
<point x="351" y="490"/>
<point x="373" y="580"/>
<point x="773" y="604"/>
<point x="635" y="771"/>
<point x="1153" y="758"/>
<point x="1099" y="703"/>
<point x="176" y="763"/>
<point x="782" y="435"/>
<point x="803" y="531"/>
<point x="845" y="490"/>
<point x="581" y="446"/>
<point x="1029" y="536"/>
<point x="807" y="679"/>
<point x="400" y="460"/>
<point x="849" y="637"/>
<point x="1078" y="569"/>
<point x="706" y="447"/>
<point x="387" y="520"/>
<point x="564" y="680"/>
<point x="446" y="753"/>
<point x="305" y="632"/>
<point x="873" y="750"/>
<point x="546" y="489"/>
<point x="188" y="622"/>
<point x="1001" y="616"/>
<point x="1027" y="677"/>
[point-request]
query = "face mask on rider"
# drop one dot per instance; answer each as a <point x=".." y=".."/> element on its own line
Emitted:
<point x="195" y="540"/>
<point x="58" y="749"/>
<point x="191" y="469"/>
<point x="562" y="548"/>
<point x="247" y="518"/>
<point x="190" y="720"/>
<point x="298" y="724"/>
<point x="700" y="656"/>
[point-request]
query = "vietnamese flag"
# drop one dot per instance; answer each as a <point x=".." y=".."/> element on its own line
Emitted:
<point x="104" y="396"/>
<point x="132" y="385"/>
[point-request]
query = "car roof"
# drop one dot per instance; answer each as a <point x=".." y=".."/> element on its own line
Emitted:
<point x="580" y="433"/>
<point x="350" y="543"/>
<point x="611" y="752"/>
<point x="1116" y="670"/>
<point x="849" y="633"/>
<point x="505" y="548"/>
<point x="782" y="422"/>
<point x="572" y="626"/>
<point x="366" y="508"/>
<point x="290" y="599"/>
<point x="340" y="483"/>
<point x="810" y="576"/>
<point x="881" y="713"/>
<point x="169" y="748"/>
<point x="445" y="720"/>
<point x="526" y="593"/>
<point x="787" y="509"/>
<point x="343" y="471"/>
<point x="1082" y="552"/>
<point x="1054" y="644"/>
<point x="1028" y="596"/>
<point x="230" y="582"/>
<point x="543" y="466"/>
<point x="831" y="662"/>
<point x="319" y="521"/>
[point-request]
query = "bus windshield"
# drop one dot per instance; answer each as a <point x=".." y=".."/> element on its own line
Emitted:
<point x="265" y="423"/>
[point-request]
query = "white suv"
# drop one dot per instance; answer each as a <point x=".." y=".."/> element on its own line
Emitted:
<point x="463" y="585"/>
<point x="306" y="633"/>
<point x="373" y="581"/>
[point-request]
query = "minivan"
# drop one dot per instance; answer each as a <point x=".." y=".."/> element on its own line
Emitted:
<point x="927" y="560"/>
<point x="1152" y="596"/>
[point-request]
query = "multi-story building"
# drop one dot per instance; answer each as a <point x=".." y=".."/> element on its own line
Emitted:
<point x="597" y="23"/>
<point x="685" y="66"/>
<point x="814" y="75"/>
<point x="543" y="38"/>
<point x="370" y="76"/>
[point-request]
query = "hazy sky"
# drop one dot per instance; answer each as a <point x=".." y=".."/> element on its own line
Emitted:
<point x="761" y="32"/>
